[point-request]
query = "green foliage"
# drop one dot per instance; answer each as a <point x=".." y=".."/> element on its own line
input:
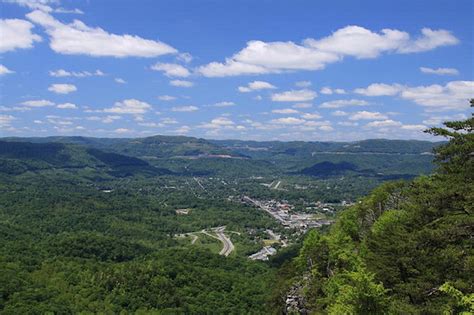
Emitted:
<point x="405" y="248"/>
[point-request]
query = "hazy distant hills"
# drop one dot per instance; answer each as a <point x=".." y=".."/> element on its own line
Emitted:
<point x="179" y="155"/>
<point x="20" y="157"/>
<point x="301" y="148"/>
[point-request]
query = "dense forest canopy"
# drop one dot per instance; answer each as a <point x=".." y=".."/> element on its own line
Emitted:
<point x="407" y="248"/>
<point x="91" y="225"/>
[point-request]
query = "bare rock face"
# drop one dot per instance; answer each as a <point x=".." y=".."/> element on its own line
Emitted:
<point x="295" y="300"/>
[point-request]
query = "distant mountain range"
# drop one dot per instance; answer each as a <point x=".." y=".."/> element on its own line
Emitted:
<point x="179" y="155"/>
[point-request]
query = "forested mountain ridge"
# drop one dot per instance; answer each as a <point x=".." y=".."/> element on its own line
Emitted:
<point x="407" y="248"/>
<point x="20" y="157"/>
<point x="154" y="146"/>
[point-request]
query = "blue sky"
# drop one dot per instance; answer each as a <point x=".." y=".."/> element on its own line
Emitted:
<point x="262" y="70"/>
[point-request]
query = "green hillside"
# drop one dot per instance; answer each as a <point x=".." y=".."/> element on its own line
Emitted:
<point x="407" y="248"/>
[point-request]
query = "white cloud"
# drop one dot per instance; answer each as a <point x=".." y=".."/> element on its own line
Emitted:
<point x="44" y="5"/>
<point x="429" y="40"/>
<point x="260" y="57"/>
<point x="294" y="96"/>
<point x="80" y="74"/>
<point x="120" y="81"/>
<point x="224" y="104"/>
<point x="339" y="113"/>
<point x="454" y="95"/>
<point x="343" y="103"/>
<point x="303" y="84"/>
<point x="122" y="130"/>
<point x="255" y="86"/>
<point x="5" y="120"/>
<point x="302" y="105"/>
<point x="365" y="115"/>
<point x="181" y="83"/>
<point x="77" y="38"/>
<point x="348" y="124"/>
<point x="311" y="116"/>
<point x="414" y="127"/>
<point x="185" y="57"/>
<point x="230" y="68"/>
<point x="440" y="71"/>
<point x="384" y="123"/>
<point x="166" y="98"/>
<point x="328" y="91"/>
<point x="110" y="119"/>
<point x="438" y="120"/>
<point x="184" y="108"/>
<point x="168" y="121"/>
<point x="288" y="121"/>
<point x="16" y="34"/>
<point x="183" y="130"/>
<point x="129" y="106"/>
<point x="67" y="106"/>
<point x="171" y="69"/>
<point x="38" y="103"/>
<point x="5" y="70"/>
<point x="73" y="11"/>
<point x="285" y="111"/>
<point x="326" y="128"/>
<point x="380" y="89"/>
<point x="62" y="88"/>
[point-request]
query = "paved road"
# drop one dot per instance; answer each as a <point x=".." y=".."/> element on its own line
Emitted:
<point x="228" y="246"/>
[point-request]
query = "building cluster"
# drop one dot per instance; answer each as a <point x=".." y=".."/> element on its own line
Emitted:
<point x="282" y="212"/>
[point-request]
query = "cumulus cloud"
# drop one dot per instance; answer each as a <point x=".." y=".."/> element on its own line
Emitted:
<point x="311" y="116"/>
<point x="288" y="121"/>
<point x="328" y="91"/>
<point x="255" y="86"/>
<point x="339" y="113"/>
<point x="285" y="111"/>
<point x="62" y="88"/>
<point x="44" y="5"/>
<point x="122" y="130"/>
<point x="5" y="70"/>
<point x="166" y="98"/>
<point x="343" y="103"/>
<point x="217" y="123"/>
<point x="452" y="96"/>
<point x="77" y="38"/>
<point x="224" y="104"/>
<point x="182" y="130"/>
<point x="384" y="123"/>
<point x="260" y="57"/>
<point x="79" y="74"/>
<point x="38" y="103"/>
<point x="365" y="115"/>
<point x="303" y="84"/>
<point x="129" y="106"/>
<point x="67" y="106"/>
<point x="171" y="69"/>
<point x="184" y="108"/>
<point x="438" y="120"/>
<point x="181" y="83"/>
<point x="185" y="57"/>
<point x="110" y="119"/>
<point x="6" y="120"/>
<point x="16" y="34"/>
<point x="439" y="71"/>
<point x="120" y="81"/>
<point x="380" y="89"/>
<point x="302" y="105"/>
<point x="294" y="96"/>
